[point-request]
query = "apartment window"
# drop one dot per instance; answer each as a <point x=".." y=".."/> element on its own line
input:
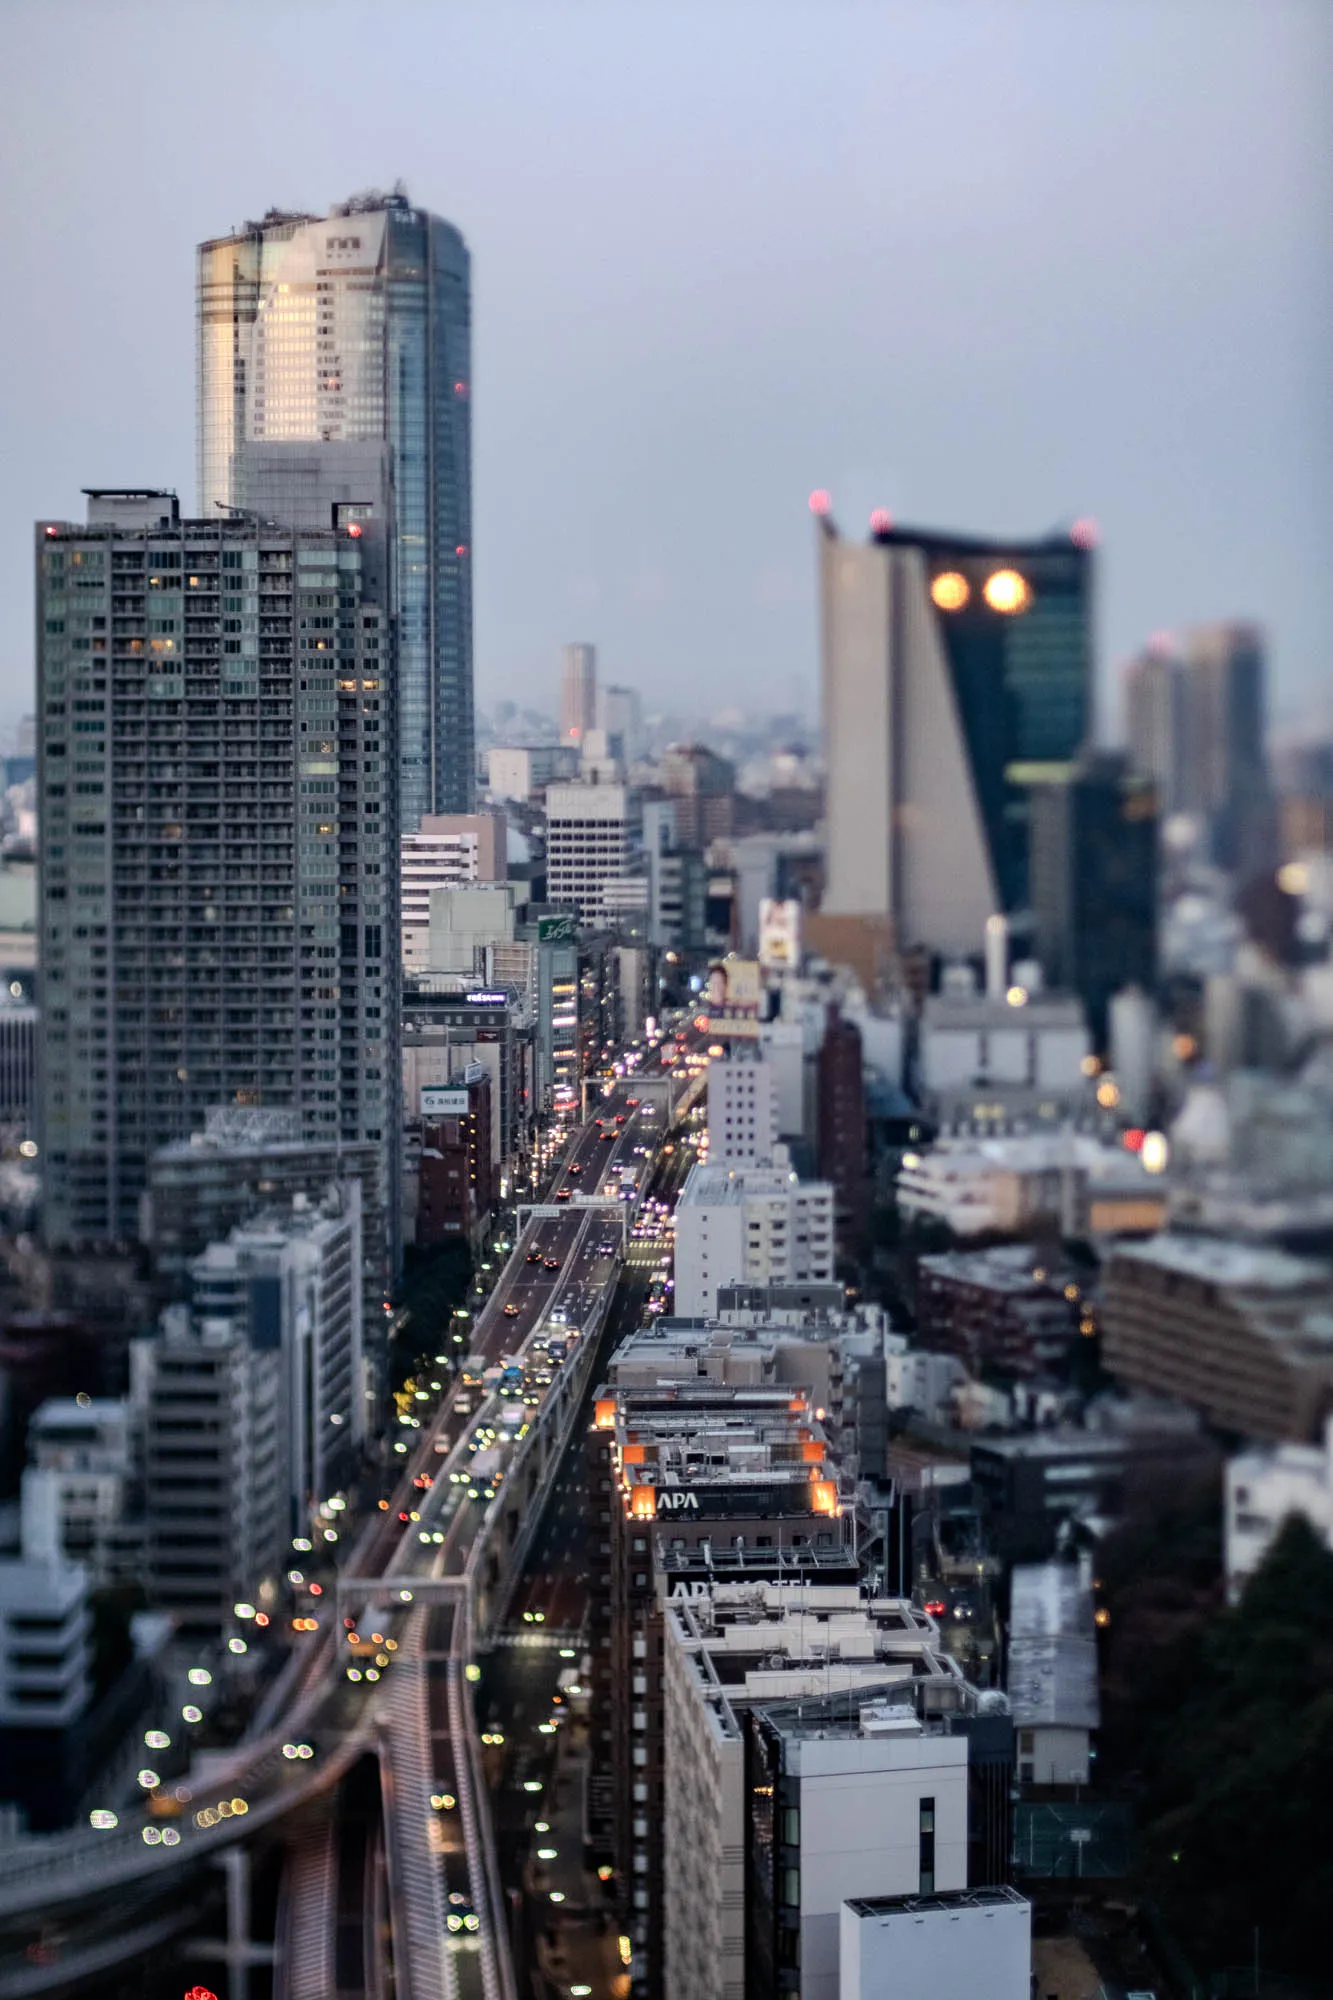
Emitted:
<point x="926" y="1845"/>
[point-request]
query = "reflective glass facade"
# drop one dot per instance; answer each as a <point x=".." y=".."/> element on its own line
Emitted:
<point x="351" y="328"/>
<point x="1022" y="674"/>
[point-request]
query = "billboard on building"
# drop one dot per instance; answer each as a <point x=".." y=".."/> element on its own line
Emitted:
<point x="443" y="1100"/>
<point x="779" y="934"/>
<point x="557" y="930"/>
<point x="734" y="998"/>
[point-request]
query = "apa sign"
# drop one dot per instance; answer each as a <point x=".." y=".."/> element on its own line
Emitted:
<point x="676" y="1501"/>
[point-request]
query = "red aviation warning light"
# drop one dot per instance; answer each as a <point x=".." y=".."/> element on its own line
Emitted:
<point x="820" y="501"/>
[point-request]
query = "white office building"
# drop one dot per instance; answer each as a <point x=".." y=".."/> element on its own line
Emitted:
<point x="45" y="1644"/>
<point x="523" y="771"/>
<point x="957" y="1945"/>
<point x="620" y="716"/>
<point x="872" y="1798"/>
<point x="749" y="1226"/>
<point x="742" y="1111"/>
<point x="77" y="1487"/>
<point x="591" y="842"/>
<point x="990" y="1061"/>
<point x="1264" y="1488"/>
<point x="464" y="922"/>
<point x="1012" y="1183"/>
<point x="289" y="1279"/>
<point x="214" y="1485"/>
<point x="449" y="850"/>
<point x="730" y="1648"/>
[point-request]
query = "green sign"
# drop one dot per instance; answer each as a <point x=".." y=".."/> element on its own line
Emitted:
<point x="556" y="930"/>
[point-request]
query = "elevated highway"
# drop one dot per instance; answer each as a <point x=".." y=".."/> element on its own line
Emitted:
<point x="430" y="1571"/>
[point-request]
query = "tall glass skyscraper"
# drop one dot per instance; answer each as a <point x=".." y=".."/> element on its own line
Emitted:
<point x="355" y="328"/>
<point x="957" y="675"/>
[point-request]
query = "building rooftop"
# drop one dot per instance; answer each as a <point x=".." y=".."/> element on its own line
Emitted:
<point x="869" y="1710"/>
<point x="714" y="1186"/>
<point x="1004" y="1267"/>
<point x="67" y="1414"/>
<point x="1052" y="1647"/>
<point x="1245" y="1267"/>
<point x="944" y="1901"/>
<point x="979" y="1010"/>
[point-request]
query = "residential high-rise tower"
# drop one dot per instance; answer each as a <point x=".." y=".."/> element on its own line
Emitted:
<point x="219" y="892"/>
<point x="355" y="328"/>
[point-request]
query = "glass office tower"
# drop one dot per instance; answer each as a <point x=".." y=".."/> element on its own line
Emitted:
<point x="355" y="328"/>
<point x="957" y="675"/>
<point x="1020" y="651"/>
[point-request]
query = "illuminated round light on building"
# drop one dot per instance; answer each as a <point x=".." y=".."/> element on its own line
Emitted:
<point x="52" y="531"/>
<point x="820" y="501"/>
<point x="1293" y="878"/>
<point x="881" y="521"/>
<point x="1017" y="996"/>
<point x="1085" y="534"/>
<point x="1108" y="1094"/>
<point x="950" y="590"/>
<point x="461" y="549"/>
<point x="1005" y="590"/>
<point x="1154" y="1152"/>
<point x="149" y="1780"/>
<point x="354" y="530"/>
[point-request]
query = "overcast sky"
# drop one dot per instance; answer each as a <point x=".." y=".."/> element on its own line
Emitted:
<point x="988" y="265"/>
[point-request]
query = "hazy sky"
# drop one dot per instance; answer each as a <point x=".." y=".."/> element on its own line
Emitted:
<point x="988" y="265"/>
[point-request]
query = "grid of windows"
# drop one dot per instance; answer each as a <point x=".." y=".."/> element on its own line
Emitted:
<point x="220" y="854"/>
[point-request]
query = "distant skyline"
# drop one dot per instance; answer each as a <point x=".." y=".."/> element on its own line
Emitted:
<point x="989" y="266"/>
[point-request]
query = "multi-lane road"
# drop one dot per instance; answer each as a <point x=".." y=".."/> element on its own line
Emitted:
<point x="422" y="1555"/>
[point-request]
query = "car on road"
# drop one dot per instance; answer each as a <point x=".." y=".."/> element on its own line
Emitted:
<point x="562" y="1194"/>
<point x="574" y="1167"/>
<point x="512" y="1311"/>
<point x="533" y="1257"/>
<point x="462" y="1917"/>
<point x="552" y="1263"/>
<point x="609" y="1138"/>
